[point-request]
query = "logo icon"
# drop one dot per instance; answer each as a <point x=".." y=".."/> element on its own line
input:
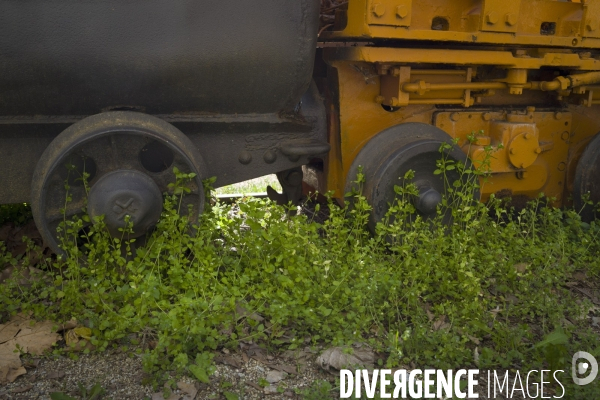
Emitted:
<point x="582" y="367"/>
<point x="121" y="208"/>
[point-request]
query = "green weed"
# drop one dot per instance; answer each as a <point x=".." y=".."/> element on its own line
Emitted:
<point x="424" y="292"/>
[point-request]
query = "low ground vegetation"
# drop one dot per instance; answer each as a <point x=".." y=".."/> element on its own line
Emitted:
<point x="494" y="289"/>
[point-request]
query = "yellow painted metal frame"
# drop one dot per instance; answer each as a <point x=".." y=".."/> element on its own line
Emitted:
<point x="506" y="59"/>
<point x="429" y="74"/>
<point x="561" y="134"/>
<point x="515" y="22"/>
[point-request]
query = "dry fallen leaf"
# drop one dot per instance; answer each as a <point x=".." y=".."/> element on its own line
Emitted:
<point x="22" y="389"/>
<point x="242" y="312"/>
<point x="474" y="339"/>
<point x="24" y="275"/>
<point x="8" y="332"/>
<point x="254" y="351"/>
<point x="290" y="369"/>
<point x="189" y="390"/>
<point x="77" y="339"/>
<point x="228" y="360"/>
<point x="341" y="358"/>
<point x="521" y="268"/>
<point x="580" y="276"/>
<point x="440" y="323"/>
<point x="28" y="336"/>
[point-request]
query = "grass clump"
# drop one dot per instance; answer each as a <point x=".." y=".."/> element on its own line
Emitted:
<point x="485" y="290"/>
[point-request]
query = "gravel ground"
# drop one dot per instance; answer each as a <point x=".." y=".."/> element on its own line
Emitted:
<point x="122" y="377"/>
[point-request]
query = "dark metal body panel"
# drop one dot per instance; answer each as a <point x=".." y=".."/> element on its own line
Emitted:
<point x="65" y="57"/>
<point x="220" y="139"/>
<point x="230" y="74"/>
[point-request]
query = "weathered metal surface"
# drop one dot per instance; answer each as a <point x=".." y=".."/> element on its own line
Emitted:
<point x="110" y="148"/>
<point x="232" y="146"/>
<point x="291" y="185"/>
<point x="62" y="57"/>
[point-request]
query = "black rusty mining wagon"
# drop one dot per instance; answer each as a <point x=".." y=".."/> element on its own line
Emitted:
<point x="127" y="90"/>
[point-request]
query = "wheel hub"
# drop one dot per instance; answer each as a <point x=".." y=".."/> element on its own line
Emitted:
<point x="126" y="192"/>
<point x="427" y="200"/>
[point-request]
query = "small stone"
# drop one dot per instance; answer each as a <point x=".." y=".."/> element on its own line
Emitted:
<point x="275" y="376"/>
<point x="270" y="389"/>
<point x="56" y="374"/>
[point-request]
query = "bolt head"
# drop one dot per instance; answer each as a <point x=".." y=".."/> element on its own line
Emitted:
<point x="270" y="156"/>
<point x="401" y="11"/>
<point x="591" y="25"/>
<point x="378" y="10"/>
<point x="245" y="157"/>
<point x="491" y="18"/>
<point x="515" y="90"/>
<point x="511" y="19"/>
<point x="538" y="150"/>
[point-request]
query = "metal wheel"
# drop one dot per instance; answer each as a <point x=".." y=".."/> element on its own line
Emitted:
<point x="130" y="159"/>
<point x="587" y="180"/>
<point x="395" y="151"/>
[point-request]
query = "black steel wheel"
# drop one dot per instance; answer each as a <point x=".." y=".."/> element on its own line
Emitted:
<point x="129" y="159"/>
<point x="389" y="155"/>
<point x="587" y="181"/>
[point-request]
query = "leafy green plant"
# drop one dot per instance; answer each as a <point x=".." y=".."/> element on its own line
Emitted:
<point x="423" y="292"/>
<point x="94" y="392"/>
<point x="19" y="213"/>
<point x="318" y="390"/>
